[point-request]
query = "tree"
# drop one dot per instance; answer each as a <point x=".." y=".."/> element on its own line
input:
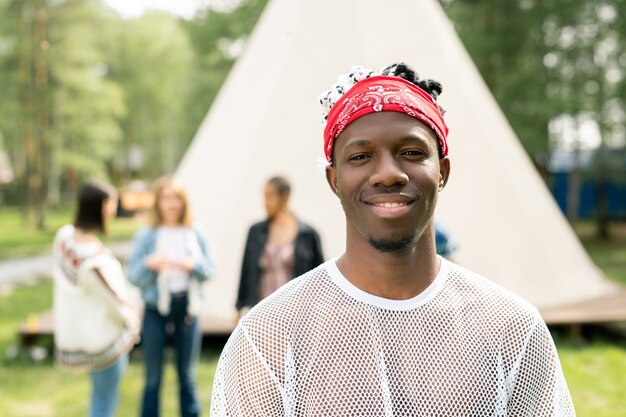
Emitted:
<point x="151" y="59"/>
<point x="568" y="61"/>
<point x="59" y="112"/>
<point x="86" y="105"/>
<point x="218" y="37"/>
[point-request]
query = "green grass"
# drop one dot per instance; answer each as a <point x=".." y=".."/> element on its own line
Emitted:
<point x="18" y="241"/>
<point x="596" y="376"/>
<point x="41" y="390"/>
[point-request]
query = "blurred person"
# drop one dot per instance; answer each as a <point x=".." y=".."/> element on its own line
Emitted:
<point x="443" y="242"/>
<point x="277" y="249"/>
<point x="169" y="261"/>
<point x="95" y="324"/>
<point x="390" y="328"/>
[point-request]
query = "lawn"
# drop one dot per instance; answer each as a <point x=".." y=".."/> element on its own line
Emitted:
<point x="18" y="241"/>
<point x="596" y="376"/>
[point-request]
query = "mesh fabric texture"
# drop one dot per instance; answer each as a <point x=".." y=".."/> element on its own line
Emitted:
<point x="322" y="347"/>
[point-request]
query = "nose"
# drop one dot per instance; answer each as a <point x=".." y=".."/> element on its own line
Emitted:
<point x="388" y="172"/>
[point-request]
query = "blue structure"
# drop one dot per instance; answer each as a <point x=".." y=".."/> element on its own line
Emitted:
<point x="560" y="167"/>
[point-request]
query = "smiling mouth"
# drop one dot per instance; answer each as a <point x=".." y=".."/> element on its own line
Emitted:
<point x="391" y="200"/>
<point x="390" y="205"/>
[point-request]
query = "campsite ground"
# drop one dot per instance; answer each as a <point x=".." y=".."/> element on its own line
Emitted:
<point x="17" y="241"/>
<point x="595" y="369"/>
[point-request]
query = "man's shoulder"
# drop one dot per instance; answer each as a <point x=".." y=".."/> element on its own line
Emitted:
<point x="490" y="297"/>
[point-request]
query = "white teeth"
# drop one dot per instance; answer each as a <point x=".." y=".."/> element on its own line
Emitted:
<point x="392" y="205"/>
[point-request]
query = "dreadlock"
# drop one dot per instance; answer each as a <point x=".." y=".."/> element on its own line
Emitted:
<point x="404" y="71"/>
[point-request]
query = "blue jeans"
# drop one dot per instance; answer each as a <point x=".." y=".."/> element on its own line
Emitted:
<point x="105" y="388"/>
<point x="187" y="343"/>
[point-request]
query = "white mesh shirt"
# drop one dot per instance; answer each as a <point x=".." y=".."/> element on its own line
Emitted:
<point x="322" y="347"/>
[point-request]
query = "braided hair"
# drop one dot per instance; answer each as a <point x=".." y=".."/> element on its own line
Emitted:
<point x="404" y="71"/>
<point x="357" y="73"/>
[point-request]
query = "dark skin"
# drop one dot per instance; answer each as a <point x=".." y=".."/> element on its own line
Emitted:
<point x="387" y="174"/>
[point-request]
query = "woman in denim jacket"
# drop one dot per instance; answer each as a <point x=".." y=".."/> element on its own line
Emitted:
<point x="168" y="263"/>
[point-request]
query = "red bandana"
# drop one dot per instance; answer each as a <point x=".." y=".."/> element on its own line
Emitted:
<point x="383" y="93"/>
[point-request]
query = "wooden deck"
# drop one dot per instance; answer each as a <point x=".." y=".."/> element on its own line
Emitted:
<point x="608" y="309"/>
<point x="41" y="326"/>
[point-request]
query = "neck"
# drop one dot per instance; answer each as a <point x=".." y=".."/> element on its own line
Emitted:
<point x="397" y="275"/>
<point x="82" y="235"/>
<point x="283" y="216"/>
<point x="170" y="223"/>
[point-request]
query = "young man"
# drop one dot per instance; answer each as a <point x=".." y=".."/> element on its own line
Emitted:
<point x="389" y="328"/>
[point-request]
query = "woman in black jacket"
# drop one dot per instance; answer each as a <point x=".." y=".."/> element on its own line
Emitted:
<point x="278" y="249"/>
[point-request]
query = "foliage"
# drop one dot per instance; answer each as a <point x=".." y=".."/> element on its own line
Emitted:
<point x="86" y="106"/>
<point x="566" y="58"/>
<point x="83" y="90"/>
<point x="218" y="37"/>
<point x="550" y="63"/>
<point x="151" y="59"/>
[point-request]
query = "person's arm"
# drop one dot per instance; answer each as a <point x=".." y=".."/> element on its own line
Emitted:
<point x="138" y="272"/>
<point x="246" y="278"/>
<point x="102" y="286"/>
<point x="244" y="384"/>
<point x="535" y="382"/>
<point x="203" y="266"/>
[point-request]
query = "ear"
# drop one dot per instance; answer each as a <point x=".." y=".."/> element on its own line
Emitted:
<point x="331" y="178"/>
<point x="444" y="172"/>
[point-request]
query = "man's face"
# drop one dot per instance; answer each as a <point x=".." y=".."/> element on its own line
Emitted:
<point x="387" y="175"/>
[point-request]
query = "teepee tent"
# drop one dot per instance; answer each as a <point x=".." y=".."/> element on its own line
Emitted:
<point x="266" y="120"/>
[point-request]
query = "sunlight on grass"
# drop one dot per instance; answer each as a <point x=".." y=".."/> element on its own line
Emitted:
<point x="59" y="393"/>
<point x="17" y="241"/>
<point x="41" y="390"/>
<point x="596" y="375"/>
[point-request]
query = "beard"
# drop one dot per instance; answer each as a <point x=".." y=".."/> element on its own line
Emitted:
<point x="392" y="245"/>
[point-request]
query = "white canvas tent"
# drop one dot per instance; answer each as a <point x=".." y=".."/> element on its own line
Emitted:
<point x="266" y="121"/>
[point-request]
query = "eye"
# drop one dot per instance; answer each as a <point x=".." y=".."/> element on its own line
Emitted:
<point x="414" y="153"/>
<point x="358" y="157"/>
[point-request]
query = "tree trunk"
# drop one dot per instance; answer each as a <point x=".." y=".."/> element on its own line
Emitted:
<point x="41" y="109"/>
<point x="56" y="147"/>
<point x="26" y="113"/>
